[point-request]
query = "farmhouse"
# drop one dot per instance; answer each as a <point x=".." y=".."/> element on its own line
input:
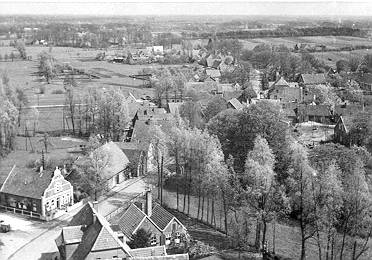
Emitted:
<point x="41" y="194"/>
<point x="285" y="92"/>
<point x="165" y="228"/>
<point x="316" y="113"/>
<point x="137" y="158"/>
<point x="114" y="162"/>
<point x="312" y="79"/>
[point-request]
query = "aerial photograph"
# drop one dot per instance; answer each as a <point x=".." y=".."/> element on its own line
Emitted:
<point x="182" y="130"/>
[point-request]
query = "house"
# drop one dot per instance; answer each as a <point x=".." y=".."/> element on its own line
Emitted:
<point x="90" y="236"/>
<point x="316" y="113"/>
<point x="341" y="130"/>
<point x="235" y="104"/>
<point x="158" y="49"/>
<point x="165" y="228"/>
<point x="285" y="92"/>
<point x="136" y="156"/>
<point x="41" y="194"/>
<point x="114" y="162"/>
<point x="312" y="79"/>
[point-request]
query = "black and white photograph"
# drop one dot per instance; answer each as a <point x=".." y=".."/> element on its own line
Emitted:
<point x="185" y="130"/>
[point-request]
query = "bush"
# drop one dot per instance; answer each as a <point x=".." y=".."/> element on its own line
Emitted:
<point x="199" y="249"/>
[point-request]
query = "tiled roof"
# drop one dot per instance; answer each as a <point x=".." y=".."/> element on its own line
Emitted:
<point x="160" y="216"/>
<point x="130" y="220"/>
<point x="236" y="104"/>
<point x="83" y="217"/>
<point x="148" y="251"/>
<point x="72" y="234"/>
<point x="315" y="110"/>
<point x="97" y="235"/>
<point x="315" y="78"/>
<point x="26" y="182"/>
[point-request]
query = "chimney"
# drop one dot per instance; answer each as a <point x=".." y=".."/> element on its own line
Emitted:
<point x="148" y="206"/>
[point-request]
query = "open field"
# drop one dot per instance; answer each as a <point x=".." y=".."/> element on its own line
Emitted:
<point x="329" y="41"/>
<point x="331" y="57"/>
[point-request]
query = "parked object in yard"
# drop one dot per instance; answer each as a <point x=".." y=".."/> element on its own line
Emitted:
<point x="4" y="227"/>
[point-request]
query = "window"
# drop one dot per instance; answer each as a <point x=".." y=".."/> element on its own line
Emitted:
<point x="58" y="187"/>
<point x="153" y="240"/>
<point x="174" y="227"/>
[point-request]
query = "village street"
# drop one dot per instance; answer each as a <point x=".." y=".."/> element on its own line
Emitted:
<point x="41" y="244"/>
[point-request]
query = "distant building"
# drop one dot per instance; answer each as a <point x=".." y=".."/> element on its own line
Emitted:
<point x="285" y="92"/>
<point x="40" y="194"/>
<point x="115" y="164"/>
<point x="313" y="79"/>
<point x="316" y="113"/>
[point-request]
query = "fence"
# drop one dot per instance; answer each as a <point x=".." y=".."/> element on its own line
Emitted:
<point x="21" y="211"/>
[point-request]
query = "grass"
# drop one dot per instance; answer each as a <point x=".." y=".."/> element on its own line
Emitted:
<point x="287" y="236"/>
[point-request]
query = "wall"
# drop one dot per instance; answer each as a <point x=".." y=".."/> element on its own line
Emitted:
<point x="107" y="254"/>
<point x="149" y="226"/>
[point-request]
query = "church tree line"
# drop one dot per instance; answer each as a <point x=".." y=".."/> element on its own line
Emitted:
<point x="246" y="165"/>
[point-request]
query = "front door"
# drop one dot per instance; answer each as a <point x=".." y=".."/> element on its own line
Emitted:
<point x="58" y="204"/>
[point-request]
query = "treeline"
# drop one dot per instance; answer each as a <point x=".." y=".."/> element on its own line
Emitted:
<point x="247" y="162"/>
<point x="288" y="32"/>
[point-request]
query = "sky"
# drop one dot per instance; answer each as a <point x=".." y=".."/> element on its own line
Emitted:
<point x="186" y="7"/>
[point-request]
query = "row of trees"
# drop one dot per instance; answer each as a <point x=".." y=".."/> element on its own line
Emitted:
<point x="246" y="162"/>
<point x="12" y="101"/>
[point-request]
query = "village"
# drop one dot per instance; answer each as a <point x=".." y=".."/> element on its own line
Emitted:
<point x="118" y="144"/>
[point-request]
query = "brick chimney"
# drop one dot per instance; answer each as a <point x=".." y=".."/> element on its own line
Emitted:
<point x="148" y="206"/>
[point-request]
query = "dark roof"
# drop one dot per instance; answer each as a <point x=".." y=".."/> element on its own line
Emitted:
<point x="26" y="182"/>
<point x="130" y="220"/>
<point x="83" y="217"/>
<point x="315" y="78"/>
<point x="347" y="110"/>
<point x="315" y="110"/>
<point x="161" y="217"/>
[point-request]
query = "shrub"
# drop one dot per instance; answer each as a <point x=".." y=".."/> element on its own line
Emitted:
<point x="199" y="249"/>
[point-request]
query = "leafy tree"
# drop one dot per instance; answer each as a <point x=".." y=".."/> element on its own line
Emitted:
<point x="342" y="66"/>
<point x="46" y="142"/>
<point x="21" y="47"/>
<point x="47" y="66"/>
<point x="262" y="193"/>
<point x="300" y="193"/>
<point x="140" y="239"/>
<point x="237" y="130"/>
<point x="192" y="113"/>
<point x="214" y="106"/>
<point x="361" y="130"/>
